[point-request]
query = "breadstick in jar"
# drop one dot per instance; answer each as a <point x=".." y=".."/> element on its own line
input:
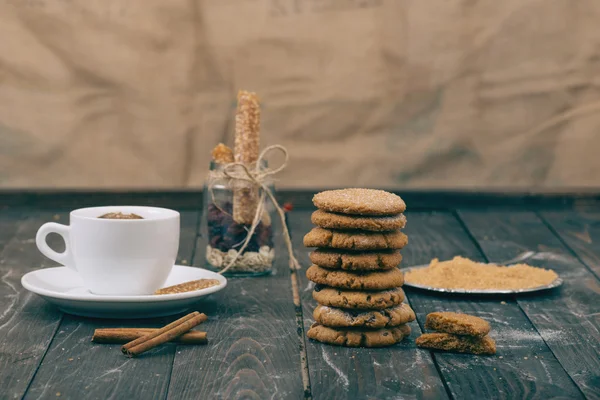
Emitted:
<point x="247" y="138"/>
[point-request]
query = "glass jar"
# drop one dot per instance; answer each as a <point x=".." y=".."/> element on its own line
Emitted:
<point x="226" y="237"/>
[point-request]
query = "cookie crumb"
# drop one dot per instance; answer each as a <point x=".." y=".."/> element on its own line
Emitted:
<point x="222" y="154"/>
<point x="188" y="286"/>
<point x="458" y="324"/>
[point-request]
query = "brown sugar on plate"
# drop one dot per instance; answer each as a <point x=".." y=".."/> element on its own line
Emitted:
<point x="188" y="286"/>
<point x="458" y="324"/>
<point x="462" y="273"/>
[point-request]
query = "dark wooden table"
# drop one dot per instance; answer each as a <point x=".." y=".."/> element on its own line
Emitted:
<point x="548" y="344"/>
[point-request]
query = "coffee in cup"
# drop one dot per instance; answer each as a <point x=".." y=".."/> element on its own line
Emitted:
<point x="117" y="256"/>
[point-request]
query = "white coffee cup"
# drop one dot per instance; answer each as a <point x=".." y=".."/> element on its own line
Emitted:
<point x="117" y="256"/>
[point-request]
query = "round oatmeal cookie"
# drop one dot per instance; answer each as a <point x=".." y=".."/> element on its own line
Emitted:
<point x="352" y="337"/>
<point x="355" y="240"/>
<point x="326" y="219"/>
<point x="375" y="319"/>
<point x="351" y="261"/>
<point x="359" y="300"/>
<point x="359" y="202"/>
<point x="379" y="280"/>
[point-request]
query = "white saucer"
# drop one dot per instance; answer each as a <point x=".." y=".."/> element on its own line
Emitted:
<point x="63" y="287"/>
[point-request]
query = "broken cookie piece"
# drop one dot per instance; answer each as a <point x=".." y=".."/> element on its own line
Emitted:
<point x="458" y="324"/>
<point x="456" y="343"/>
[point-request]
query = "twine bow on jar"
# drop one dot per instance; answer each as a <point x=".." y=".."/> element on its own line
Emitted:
<point x="241" y="175"/>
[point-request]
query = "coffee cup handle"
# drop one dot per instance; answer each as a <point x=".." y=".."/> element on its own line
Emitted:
<point x="63" y="258"/>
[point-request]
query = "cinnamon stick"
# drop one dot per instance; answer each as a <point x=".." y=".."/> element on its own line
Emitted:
<point x="163" y="335"/>
<point x="246" y="144"/>
<point x="125" y="335"/>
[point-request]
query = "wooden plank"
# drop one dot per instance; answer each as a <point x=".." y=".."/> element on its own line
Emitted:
<point x="401" y="371"/>
<point x="72" y="199"/>
<point x="568" y="318"/>
<point x="524" y="366"/>
<point x="9" y="224"/>
<point x="27" y="323"/>
<point x="187" y="237"/>
<point x="580" y="230"/>
<point x="420" y="199"/>
<point x="253" y="349"/>
<point x="75" y="368"/>
<point x="192" y="199"/>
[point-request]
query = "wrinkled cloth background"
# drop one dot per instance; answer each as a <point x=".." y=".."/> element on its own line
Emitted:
<point x="390" y="93"/>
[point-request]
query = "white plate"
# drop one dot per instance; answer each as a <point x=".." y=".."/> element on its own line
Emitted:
<point x="62" y="287"/>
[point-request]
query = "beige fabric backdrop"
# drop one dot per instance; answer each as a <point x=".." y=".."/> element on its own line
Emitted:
<point x="395" y="93"/>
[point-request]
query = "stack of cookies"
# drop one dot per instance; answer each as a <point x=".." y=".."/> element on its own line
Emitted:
<point x="461" y="333"/>
<point x="358" y="242"/>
